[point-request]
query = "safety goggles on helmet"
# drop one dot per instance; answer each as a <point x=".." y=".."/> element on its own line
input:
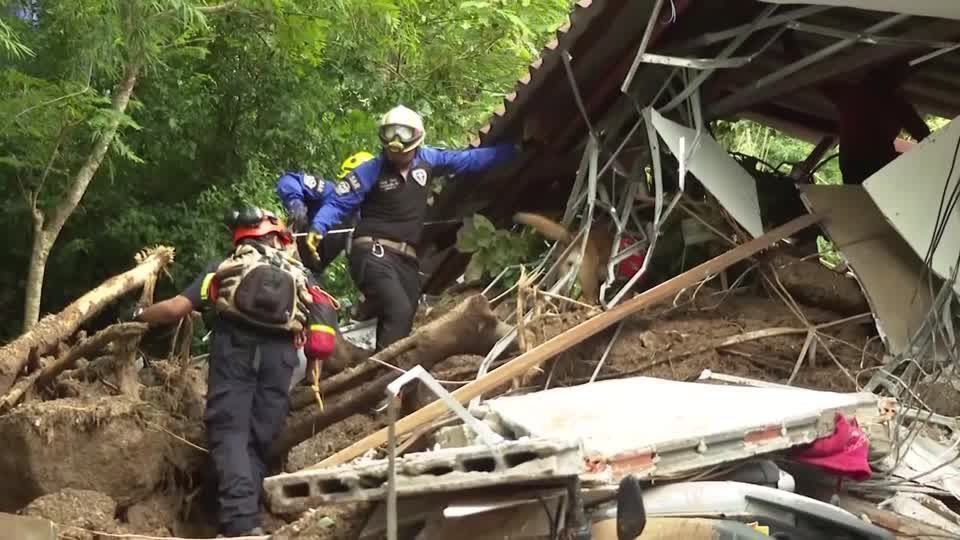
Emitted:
<point x="397" y="132"/>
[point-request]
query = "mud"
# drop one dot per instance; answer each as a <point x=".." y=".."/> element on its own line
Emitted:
<point x="159" y="514"/>
<point x="333" y="439"/>
<point x="649" y="337"/>
<point x="341" y="522"/>
<point x="77" y="512"/>
<point x="100" y="445"/>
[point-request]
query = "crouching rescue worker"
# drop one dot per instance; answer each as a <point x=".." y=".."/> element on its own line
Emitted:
<point x="267" y="306"/>
<point x="302" y="196"/>
<point x="391" y="192"/>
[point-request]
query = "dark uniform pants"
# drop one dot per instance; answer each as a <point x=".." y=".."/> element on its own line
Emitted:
<point x="247" y="404"/>
<point x="390" y="284"/>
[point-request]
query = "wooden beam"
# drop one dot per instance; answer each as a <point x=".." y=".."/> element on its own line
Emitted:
<point x="902" y="526"/>
<point x="574" y="336"/>
<point x="830" y="68"/>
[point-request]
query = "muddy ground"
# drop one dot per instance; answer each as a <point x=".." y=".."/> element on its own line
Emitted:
<point x="92" y="458"/>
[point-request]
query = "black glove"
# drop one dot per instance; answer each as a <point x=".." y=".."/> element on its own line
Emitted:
<point x="133" y="315"/>
<point x="297" y="216"/>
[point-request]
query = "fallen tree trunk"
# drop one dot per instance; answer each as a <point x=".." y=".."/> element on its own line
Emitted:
<point x="470" y="328"/>
<point x="572" y="337"/>
<point x="65" y="361"/>
<point x="53" y="328"/>
<point x="355" y="376"/>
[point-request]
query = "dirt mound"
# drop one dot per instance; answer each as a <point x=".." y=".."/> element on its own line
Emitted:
<point x="182" y="393"/>
<point x="341" y="522"/>
<point x="100" y="445"/>
<point x="157" y="514"/>
<point x="75" y="508"/>
<point x="681" y="343"/>
<point x="78" y="513"/>
<point x="331" y="440"/>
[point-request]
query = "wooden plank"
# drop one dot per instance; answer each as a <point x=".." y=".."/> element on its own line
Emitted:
<point x="902" y="526"/>
<point x="575" y="335"/>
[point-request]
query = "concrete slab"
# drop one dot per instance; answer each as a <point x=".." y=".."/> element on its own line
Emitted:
<point x="446" y="470"/>
<point x="13" y="527"/>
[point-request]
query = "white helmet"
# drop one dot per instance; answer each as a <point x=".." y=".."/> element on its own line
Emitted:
<point x="401" y="129"/>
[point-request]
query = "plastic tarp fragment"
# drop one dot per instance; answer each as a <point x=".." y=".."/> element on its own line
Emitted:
<point x="726" y="180"/>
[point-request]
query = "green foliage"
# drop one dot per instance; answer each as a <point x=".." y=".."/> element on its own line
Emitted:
<point x="226" y="101"/>
<point x="496" y="250"/>
<point x="779" y="151"/>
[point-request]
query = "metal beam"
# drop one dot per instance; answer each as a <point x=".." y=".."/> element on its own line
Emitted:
<point x="823" y="71"/>
<point x="716" y="37"/>
<point x="867" y="38"/>
<point x="841" y="45"/>
<point x="651" y="23"/>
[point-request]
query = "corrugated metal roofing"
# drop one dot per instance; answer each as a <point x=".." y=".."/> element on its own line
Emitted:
<point x="602" y="37"/>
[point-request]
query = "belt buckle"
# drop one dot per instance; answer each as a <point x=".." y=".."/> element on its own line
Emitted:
<point x="377" y="249"/>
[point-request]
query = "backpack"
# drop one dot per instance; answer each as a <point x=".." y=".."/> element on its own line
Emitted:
<point x="263" y="287"/>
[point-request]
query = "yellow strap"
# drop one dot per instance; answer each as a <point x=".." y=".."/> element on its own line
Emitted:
<point x="205" y="287"/>
<point x="322" y="328"/>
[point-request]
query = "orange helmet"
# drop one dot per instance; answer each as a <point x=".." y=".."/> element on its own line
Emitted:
<point x="257" y="223"/>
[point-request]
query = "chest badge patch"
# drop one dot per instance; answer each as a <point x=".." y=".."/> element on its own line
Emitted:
<point x="310" y="181"/>
<point x="342" y="187"/>
<point x="420" y="176"/>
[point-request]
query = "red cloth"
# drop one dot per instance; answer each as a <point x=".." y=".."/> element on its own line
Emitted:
<point x="844" y="453"/>
<point x="321" y="336"/>
<point x="320" y="343"/>
<point x="632" y="264"/>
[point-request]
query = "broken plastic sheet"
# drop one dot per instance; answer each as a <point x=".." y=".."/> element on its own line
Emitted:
<point x="688" y="425"/>
<point x="948" y="9"/>
<point x="726" y="180"/>
<point x="888" y="270"/>
<point x="909" y="190"/>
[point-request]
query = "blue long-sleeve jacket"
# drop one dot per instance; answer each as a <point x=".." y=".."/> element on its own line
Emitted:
<point x="296" y="188"/>
<point x="393" y="207"/>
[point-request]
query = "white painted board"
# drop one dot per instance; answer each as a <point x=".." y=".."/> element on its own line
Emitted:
<point x="726" y="180"/>
<point x="888" y="270"/>
<point x="622" y="415"/>
<point x="947" y="9"/>
<point x="908" y="192"/>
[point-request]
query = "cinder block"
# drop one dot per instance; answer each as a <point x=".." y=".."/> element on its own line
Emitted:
<point x="445" y="470"/>
<point x="14" y="527"/>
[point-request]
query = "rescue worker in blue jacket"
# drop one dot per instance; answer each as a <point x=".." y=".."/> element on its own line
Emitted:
<point x="302" y="195"/>
<point x="391" y="192"/>
<point x="250" y="366"/>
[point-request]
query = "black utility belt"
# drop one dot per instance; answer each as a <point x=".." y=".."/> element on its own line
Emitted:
<point x="379" y="244"/>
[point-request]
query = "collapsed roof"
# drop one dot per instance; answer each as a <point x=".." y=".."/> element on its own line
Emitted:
<point x="731" y="47"/>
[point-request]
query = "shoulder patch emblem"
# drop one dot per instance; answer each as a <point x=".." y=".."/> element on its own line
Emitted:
<point x="310" y="181"/>
<point x="342" y="187"/>
<point x="354" y="182"/>
<point x="420" y="176"/>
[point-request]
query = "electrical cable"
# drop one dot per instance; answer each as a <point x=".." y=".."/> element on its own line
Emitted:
<point x="551" y="519"/>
